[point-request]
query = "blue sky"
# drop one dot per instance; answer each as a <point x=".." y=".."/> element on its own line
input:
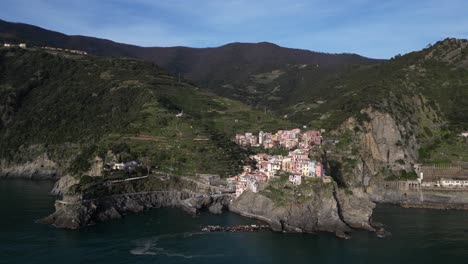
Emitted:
<point x="373" y="28"/>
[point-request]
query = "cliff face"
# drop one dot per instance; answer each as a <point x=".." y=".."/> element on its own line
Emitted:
<point x="382" y="143"/>
<point x="355" y="208"/>
<point x="39" y="161"/>
<point x="41" y="167"/>
<point x="385" y="142"/>
<point x="329" y="211"/>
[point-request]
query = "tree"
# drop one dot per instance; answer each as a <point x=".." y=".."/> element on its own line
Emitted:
<point x="146" y="162"/>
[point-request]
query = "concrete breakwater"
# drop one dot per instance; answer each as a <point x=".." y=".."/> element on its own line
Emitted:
<point x="238" y="228"/>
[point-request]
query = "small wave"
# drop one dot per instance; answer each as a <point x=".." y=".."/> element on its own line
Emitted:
<point x="144" y="249"/>
<point x="149" y="246"/>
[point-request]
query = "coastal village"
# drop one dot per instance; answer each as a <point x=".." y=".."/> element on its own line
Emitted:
<point x="298" y="166"/>
<point x="297" y="163"/>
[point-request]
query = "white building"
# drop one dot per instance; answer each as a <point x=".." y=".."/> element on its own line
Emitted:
<point x="453" y="183"/>
<point x="295" y="179"/>
<point x="22" y="45"/>
<point x="118" y="166"/>
<point x="252" y="186"/>
<point x="240" y="188"/>
<point x="246" y="183"/>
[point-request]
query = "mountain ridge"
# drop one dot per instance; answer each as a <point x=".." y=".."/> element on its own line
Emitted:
<point x="30" y="27"/>
<point x="207" y="67"/>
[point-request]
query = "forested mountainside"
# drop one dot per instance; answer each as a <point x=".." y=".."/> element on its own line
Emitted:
<point x="63" y="110"/>
<point x="309" y="93"/>
<point x="409" y="110"/>
<point x="210" y="68"/>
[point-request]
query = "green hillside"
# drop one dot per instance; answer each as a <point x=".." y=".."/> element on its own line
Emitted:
<point x="76" y="107"/>
<point x="309" y="93"/>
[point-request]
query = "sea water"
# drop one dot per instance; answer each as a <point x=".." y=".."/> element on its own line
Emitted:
<point x="171" y="236"/>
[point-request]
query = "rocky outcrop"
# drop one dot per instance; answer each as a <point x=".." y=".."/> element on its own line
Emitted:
<point x="39" y="161"/>
<point x="97" y="167"/>
<point x="324" y="211"/>
<point x="383" y="141"/>
<point x="41" y="167"/>
<point x="63" y="184"/>
<point x="355" y="208"/>
<point x="73" y="212"/>
<point x="382" y="144"/>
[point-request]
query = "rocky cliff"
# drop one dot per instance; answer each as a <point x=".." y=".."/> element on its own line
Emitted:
<point x="40" y="167"/>
<point x="327" y="210"/>
<point x="379" y="143"/>
<point x="73" y="212"/>
<point x="39" y="161"/>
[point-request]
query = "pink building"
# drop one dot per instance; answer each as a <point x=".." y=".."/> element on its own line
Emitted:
<point x="261" y="177"/>
<point x="318" y="169"/>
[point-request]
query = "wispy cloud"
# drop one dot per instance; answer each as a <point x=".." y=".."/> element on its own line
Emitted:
<point x="372" y="28"/>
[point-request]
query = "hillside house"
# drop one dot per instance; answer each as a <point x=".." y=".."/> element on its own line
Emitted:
<point x="319" y="169"/>
<point x="117" y="166"/>
<point x="240" y="188"/>
<point x="295" y="179"/>
<point x="450" y="183"/>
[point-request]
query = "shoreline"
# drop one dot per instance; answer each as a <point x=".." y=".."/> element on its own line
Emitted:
<point x="29" y="177"/>
<point x="90" y="212"/>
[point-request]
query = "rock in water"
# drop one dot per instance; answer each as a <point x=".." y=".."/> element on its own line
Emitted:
<point x="341" y="234"/>
<point x="382" y="233"/>
<point x="72" y="212"/>
<point x="325" y="210"/>
<point x="216" y="208"/>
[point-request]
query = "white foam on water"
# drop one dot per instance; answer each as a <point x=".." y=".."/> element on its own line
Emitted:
<point x="148" y="246"/>
<point x="143" y="249"/>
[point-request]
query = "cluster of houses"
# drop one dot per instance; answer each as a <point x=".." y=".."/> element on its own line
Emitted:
<point x="297" y="163"/>
<point x="129" y="166"/>
<point x="23" y="45"/>
<point x="66" y="50"/>
<point x="288" y="139"/>
<point x="10" y="45"/>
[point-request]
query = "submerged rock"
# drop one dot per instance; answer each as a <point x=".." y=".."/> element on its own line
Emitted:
<point x="238" y="228"/>
<point x="342" y="235"/>
<point x="382" y="233"/>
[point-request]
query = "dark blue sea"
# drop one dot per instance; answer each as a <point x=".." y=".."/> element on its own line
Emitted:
<point x="171" y="236"/>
